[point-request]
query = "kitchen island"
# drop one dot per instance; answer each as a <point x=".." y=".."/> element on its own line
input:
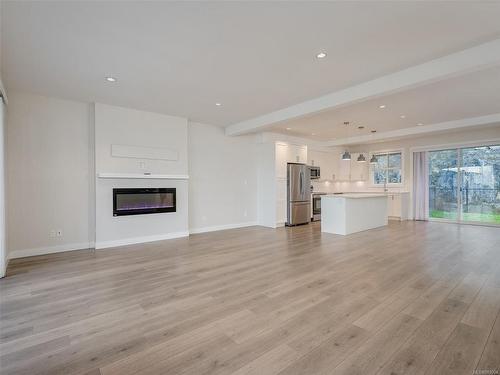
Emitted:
<point x="351" y="213"/>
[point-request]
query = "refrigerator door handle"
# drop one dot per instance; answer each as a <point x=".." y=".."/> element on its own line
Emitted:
<point x="300" y="179"/>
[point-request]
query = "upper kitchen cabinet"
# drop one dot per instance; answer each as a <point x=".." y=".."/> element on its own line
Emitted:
<point x="288" y="153"/>
<point x="327" y="161"/>
<point x="351" y="170"/>
<point x="344" y="171"/>
<point x="281" y="159"/>
<point x="297" y="154"/>
<point x="359" y="170"/>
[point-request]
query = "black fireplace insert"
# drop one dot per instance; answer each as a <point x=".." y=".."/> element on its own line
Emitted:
<point x="140" y="201"/>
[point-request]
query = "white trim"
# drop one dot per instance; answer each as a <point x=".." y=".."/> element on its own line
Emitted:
<point x="447" y="146"/>
<point x="144" y="176"/>
<point x="417" y="130"/>
<point x="3" y="93"/>
<point x="6" y="265"/>
<point x="215" y="228"/>
<point x="22" y="253"/>
<point x="137" y="240"/>
<point x="469" y="60"/>
<point x="370" y="169"/>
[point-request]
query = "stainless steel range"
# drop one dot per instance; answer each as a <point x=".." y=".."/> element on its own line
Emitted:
<point x="316" y="206"/>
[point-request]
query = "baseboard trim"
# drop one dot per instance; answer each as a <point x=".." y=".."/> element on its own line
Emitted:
<point x="216" y="228"/>
<point x="137" y="240"/>
<point x="6" y="264"/>
<point x="22" y="253"/>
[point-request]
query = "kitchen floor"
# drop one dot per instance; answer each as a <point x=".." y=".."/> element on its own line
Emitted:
<point x="409" y="298"/>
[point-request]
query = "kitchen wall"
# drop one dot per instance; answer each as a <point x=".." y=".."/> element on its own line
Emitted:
<point x="48" y="175"/>
<point x="329" y="161"/>
<point x="406" y="145"/>
<point x="222" y="179"/>
<point x="130" y="127"/>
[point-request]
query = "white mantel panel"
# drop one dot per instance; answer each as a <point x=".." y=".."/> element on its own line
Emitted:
<point x="141" y="132"/>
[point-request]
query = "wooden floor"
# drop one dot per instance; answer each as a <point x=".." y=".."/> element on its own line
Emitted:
<point x="412" y="298"/>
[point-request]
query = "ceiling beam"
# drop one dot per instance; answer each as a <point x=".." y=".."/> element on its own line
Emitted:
<point x="416" y="131"/>
<point x="473" y="59"/>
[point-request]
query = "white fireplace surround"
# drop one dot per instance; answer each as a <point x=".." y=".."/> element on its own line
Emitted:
<point x="136" y="149"/>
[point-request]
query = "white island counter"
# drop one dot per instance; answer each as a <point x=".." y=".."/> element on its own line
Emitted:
<point x="351" y="213"/>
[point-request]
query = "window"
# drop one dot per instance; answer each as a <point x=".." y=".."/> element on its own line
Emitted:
<point x="387" y="169"/>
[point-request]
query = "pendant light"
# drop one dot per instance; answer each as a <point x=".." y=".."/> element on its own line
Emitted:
<point x="373" y="160"/>
<point x="361" y="158"/>
<point x="346" y="155"/>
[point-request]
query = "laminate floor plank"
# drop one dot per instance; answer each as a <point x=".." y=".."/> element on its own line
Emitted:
<point x="409" y="298"/>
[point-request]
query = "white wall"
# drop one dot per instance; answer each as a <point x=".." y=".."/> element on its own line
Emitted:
<point x="223" y="179"/>
<point x="123" y="126"/>
<point x="3" y="229"/>
<point x="48" y="182"/>
<point x="50" y="166"/>
<point x="3" y="232"/>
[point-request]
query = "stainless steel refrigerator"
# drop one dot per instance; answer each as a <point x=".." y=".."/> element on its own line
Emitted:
<point x="298" y="194"/>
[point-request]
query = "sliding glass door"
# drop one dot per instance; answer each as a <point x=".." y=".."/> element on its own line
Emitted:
<point x="464" y="184"/>
<point x="480" y="184"/>
<point x="443" y="185"/>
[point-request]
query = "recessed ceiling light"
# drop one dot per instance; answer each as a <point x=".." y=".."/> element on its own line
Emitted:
<point x="313" y="133"/>
<point x="382" y="106"/>
<point x="321" y="55"/>
<point x="419" y="124"/>
<point x="218" y="104"/>
<point x="402" y="116"/>
<point x="111" y="79"/>
<point x="361" y="127"/>
<point x="288" y="128"/>
<point x="373" y="131"/>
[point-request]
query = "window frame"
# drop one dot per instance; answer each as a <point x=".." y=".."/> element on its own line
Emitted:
<point x="387" y="152"/>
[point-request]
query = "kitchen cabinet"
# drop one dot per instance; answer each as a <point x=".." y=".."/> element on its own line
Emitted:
<point x="344" y="171"/>
<point x="281" y="200"/>
<point x="397" y="205"/>
<point x="273" y="158"/>
<point x="351" y="170"/>
<point x="327" y="161"/>
<point x="288" y="153"/>
<point x="282" y="157"/>
<point x="359" y="170"/>
<point x="296" y="154"/>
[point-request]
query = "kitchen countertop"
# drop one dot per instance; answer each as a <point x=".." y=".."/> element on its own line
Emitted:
<point x="357" y="195"/>
<point x="371" y="192"/>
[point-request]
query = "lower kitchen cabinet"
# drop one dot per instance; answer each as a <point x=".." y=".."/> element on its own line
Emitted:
<point x="397" y="206"/>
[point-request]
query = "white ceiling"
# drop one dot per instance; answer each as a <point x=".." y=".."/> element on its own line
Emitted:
<point x="472" y="95"/>
<point x="180" y="58"/>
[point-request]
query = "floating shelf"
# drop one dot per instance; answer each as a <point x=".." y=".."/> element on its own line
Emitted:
<point x="144" y="176"/>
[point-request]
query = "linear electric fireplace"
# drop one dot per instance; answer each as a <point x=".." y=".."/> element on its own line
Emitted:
<point x="139" y="201"/>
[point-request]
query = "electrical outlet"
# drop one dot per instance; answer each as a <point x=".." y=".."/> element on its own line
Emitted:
<point x="59" y="233"/>
<point x="52" y="233"/>
<point x="142" y="165"/>
<point x="245" y="213"/>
